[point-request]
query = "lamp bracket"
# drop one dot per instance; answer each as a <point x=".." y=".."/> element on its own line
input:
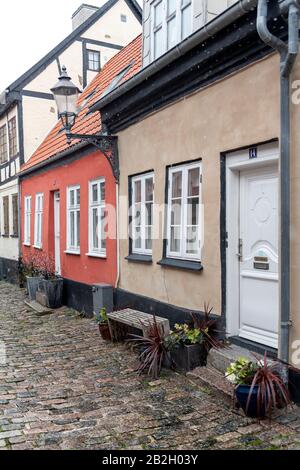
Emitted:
<point x="108" y="144"/>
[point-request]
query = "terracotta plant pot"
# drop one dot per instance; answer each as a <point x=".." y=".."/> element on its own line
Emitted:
<point x="104" y="331"/>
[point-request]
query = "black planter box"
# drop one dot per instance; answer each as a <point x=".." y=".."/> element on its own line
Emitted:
<point x="32" y="286"/>
<point x="187" y="358"/>
<point x="53" y="290"/>
<point x="294" y="385"/>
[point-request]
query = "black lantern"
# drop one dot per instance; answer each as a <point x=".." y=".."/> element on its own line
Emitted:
<point x="66" y="96"/>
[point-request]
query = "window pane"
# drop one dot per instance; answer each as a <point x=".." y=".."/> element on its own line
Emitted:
<point x="176" y="213"/>
<point x="158" y="43"/>
<point x="103" y="228"/>
<point x="175" y="239"/>
<point x="78" y="197"/>
<point x="149" y="213"/>
<point x="171" y="31"/>
<point x="95" y="192"/>
<point x="102" y="191"/>
<point x="158" y="13"/>
<point x="177" y="184"/>
<point x="95" y="229"/>
<point x="138" y="191"/>
<point x="171" y="6"/>
<point x="137" y="238"/>
<point x="149" y="189"/>
<point x="72" y="228"/>
<point x="138" y="215"/>
<point x="193" y="182"/>
<point x="72" y="200"/>
<point x="78" y="228"/>
<point x="193" y="211"/>
<point x="192" y="240"/>
<point x="186" y="27"/>
<point x="148" y="241"/>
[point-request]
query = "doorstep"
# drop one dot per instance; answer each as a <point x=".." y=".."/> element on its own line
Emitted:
<point x="211" y="378"/>
<point x="218" y="360"/>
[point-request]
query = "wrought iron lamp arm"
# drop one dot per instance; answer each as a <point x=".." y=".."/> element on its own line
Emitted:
<point x="105" y="143"/>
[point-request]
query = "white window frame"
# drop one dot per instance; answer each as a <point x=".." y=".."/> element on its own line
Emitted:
<point x="27" y="220"/>
<point x="93" y="61"/>
<point x="183" y="255"/>
<point x="70" y="209"/>
<point x="142" y="178"/>
<point x="38" y="220"/>
<point x="99" y="205"/>
<point x="181" y="5"/>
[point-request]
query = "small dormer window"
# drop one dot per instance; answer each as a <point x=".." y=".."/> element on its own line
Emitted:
<point x="171" y="22"/>
<point x="117" y="79"/>
<point x="93" y="60"/>
<point x="123" y="18"/>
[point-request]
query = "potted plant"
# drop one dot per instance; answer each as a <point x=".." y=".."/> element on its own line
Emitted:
<point x="28" y="267"/>
<point x="153" y="351"/>
<point x="294" y="384"/>
<point x="259" y="387"/>
<point x="186" y="346"/>
<point x="51" y="285"/>
<point x="189" y="344"/>
<point x="102" y="321"/>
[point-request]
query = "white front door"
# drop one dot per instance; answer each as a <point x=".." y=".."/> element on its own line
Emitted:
<point x="257" y="252"/>
<point x="57" y="231"/>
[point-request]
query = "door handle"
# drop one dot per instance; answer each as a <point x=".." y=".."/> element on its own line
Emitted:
<point x="239" y="254"/>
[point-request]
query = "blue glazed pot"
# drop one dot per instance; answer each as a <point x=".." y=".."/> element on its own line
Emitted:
<point x="242" y="394"/>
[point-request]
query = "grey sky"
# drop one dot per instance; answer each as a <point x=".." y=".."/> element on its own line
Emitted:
<point x="30" y="29"/>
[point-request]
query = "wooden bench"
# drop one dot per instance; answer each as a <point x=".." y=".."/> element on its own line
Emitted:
<point x="126" y="322"/>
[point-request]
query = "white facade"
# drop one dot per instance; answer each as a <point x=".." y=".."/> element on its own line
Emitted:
<point x="29" y="99"/>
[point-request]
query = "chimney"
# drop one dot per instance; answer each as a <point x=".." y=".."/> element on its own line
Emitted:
<point x="82" y="14"/>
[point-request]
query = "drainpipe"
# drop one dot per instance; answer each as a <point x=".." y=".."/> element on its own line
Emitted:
<point x="288" y="53"/>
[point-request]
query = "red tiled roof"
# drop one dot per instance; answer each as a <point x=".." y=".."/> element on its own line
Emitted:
<point x="56" y="143"/>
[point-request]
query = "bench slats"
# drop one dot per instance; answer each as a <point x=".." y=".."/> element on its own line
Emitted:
<point x="134" y="319"/>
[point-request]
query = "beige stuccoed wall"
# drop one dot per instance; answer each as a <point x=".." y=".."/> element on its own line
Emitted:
<point x="239" y="111"/>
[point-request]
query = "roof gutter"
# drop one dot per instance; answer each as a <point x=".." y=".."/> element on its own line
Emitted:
<point x="288" y="53"/>
<point x="210" y="29"/>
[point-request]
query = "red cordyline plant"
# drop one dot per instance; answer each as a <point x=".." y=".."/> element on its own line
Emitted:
<point x="208" y="328"/>
<point x="153" y="349"/>
<point x="272" y="392"/>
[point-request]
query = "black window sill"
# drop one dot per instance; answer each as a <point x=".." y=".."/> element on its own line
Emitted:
<point x="181" y="264"/>
<point x="4" y="235"/>
<point x="14" y="236"/>
<point x="135" y="258"/>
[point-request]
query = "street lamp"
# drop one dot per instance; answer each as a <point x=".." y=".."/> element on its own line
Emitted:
<point x="66" y="97"/>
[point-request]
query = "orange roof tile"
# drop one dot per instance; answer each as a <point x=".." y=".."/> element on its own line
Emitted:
<point x="56" y="142"/>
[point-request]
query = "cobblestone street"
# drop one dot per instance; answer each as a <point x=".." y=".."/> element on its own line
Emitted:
<point x="62" y="387"/>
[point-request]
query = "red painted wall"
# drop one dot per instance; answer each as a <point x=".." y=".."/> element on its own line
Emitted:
<point x="81" y="268"/>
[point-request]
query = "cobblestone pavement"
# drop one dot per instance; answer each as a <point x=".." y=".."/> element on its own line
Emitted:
<point x="62" y="387"/>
